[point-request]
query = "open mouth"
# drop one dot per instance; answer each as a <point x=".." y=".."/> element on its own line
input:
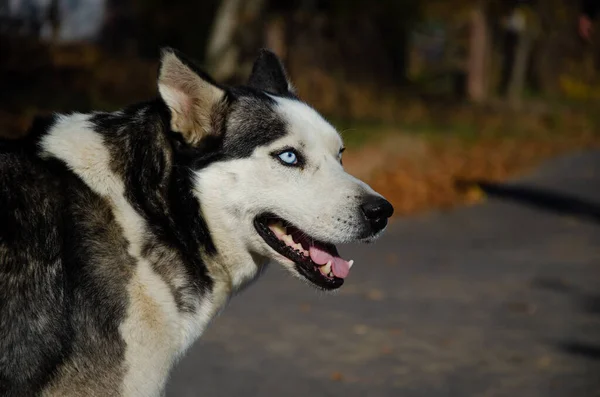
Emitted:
<point x="317" y="261"/>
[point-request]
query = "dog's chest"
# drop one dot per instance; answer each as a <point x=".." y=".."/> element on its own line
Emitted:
<point x="156" y="332"/>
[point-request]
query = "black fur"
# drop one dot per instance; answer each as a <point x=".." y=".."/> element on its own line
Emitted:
<point x="254" y="120"/>
<point x="35" y="332"/>
<point x="268" y="74"/>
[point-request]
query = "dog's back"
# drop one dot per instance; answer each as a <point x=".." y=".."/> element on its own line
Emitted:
<point x="48" y="222"/>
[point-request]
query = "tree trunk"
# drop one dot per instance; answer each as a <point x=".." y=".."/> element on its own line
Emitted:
<point x="276" y="36"/>
<point x="54" y="20"/>
<point x="519" y="69"/>
<point x="234" y="30"/>
<point x="478" y="54"/>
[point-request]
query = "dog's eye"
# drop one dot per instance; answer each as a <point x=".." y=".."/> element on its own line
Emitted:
<point x="288" y="157"/>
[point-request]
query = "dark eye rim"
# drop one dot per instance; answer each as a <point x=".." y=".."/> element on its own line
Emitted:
<point x="299" y="158"/>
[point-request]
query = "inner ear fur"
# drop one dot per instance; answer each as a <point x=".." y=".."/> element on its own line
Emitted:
<point x="191" y="96"/>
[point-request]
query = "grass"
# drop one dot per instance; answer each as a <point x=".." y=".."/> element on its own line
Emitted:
<point x="469" y="124"/>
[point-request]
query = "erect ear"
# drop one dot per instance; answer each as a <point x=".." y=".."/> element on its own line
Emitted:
<point x="269" y="75"/>
<point x="191" y="95"/>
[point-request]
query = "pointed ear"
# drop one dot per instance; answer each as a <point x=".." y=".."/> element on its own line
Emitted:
<point x="192" y="96"/>
<point x="269" y="75"/>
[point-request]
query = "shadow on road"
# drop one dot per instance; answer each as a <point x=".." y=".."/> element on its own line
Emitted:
<point x="584" y="350"/>
<point x="539" y="198"/>
<point x="587" y="303"/>
<point x="591" y="304"/>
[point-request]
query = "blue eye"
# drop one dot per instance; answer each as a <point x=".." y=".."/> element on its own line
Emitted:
<point x="288" y="157"/>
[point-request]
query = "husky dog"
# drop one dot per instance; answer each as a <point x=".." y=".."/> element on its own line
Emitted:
<point x="122" y="234"/>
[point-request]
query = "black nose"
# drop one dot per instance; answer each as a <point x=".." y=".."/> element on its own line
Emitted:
<point x="377" y="210"/>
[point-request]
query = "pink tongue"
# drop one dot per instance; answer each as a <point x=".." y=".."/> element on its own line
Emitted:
<point x="320" y="256"/>
<point x="340" y="267"/>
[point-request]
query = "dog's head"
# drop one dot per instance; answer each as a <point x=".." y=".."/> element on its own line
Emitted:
<point x="277" y="189"/>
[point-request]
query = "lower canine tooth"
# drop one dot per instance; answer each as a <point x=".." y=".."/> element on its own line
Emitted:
<point x="325" y="269"/>
<point x="350" y="264"/>
<point x="281" y="227"/>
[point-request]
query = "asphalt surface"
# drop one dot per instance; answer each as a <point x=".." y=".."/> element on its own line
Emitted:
<point x="497" y="299"/>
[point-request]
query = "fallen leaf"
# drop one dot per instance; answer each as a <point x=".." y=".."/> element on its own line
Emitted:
<point x="375" y="295"/>
<point x="391" y="259"/>
<point x="360" y="329"/>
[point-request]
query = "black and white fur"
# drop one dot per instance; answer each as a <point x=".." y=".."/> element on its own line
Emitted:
<point x="122" y="234"/>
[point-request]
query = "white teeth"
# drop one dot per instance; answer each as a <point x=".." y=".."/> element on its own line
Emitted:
<point x="350" y="263"/>
<point x="288" y="240"/>
<point x="325" y="269"/>
<point x="278" y="229"/>
<point x="328" y="266"/>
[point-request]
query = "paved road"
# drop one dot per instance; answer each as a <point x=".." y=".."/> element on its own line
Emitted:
<point x="499" y="299"/>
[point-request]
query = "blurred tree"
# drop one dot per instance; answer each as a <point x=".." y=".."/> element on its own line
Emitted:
<point x="236" y="30"/>
<point x="479" y="48"/>
<point x="119" y="30"/>
<point x="348" y="57"/>
<point x="54" y="20"/>
<point x="556" y="46"/>
<point x="521" y="28"/>
<point x="347" y="30"/>
<point x="177" y="23"/>
<point x="589" y="10"/>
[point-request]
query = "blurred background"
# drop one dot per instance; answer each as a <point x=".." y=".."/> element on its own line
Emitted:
<point x="440" y="102"/>
<point x="440" y="88"/>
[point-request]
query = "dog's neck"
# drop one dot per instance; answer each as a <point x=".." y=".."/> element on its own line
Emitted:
<point x="233" y="263"/>
<point x="233" y="267"/>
